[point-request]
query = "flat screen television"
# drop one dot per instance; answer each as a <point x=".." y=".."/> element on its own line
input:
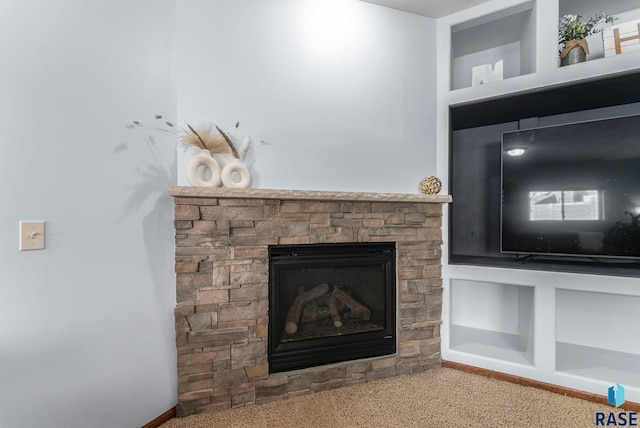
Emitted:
<point x="572" y="189"/>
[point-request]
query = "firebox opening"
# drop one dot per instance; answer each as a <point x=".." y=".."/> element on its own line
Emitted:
<point x="330" y="303"/>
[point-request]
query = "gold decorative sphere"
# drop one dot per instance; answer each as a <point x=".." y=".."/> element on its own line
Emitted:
<point x="430" y="185"/>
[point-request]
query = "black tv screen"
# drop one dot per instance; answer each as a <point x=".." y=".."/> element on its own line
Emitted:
<point x="572" y="190"/>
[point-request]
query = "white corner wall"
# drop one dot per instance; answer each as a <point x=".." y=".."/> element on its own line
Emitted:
<point x="86" y="325"/>
<point x="335" y="94"/>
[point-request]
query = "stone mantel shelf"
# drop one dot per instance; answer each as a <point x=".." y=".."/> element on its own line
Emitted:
<point x="304" y="195"/>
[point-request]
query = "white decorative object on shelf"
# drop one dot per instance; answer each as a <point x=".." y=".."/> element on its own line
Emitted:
<point x="236" y="175"/>
<point x="485" y="73"/>
<point x="203" y="165"/>
<point x="622" y="38"/>
<point x="211" y="140"/>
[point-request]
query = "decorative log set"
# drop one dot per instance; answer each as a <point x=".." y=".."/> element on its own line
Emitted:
<point x="318" y="303"/>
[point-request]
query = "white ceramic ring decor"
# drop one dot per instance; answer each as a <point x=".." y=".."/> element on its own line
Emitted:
<point x="233" y="170"/>
<point x="203" y="160"/>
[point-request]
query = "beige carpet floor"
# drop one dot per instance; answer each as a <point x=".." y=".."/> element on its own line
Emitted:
<point x="437" y="398"/>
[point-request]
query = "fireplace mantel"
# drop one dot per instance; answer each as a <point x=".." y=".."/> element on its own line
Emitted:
<point x="222" y="257"/>
<point x="304" y="195"/>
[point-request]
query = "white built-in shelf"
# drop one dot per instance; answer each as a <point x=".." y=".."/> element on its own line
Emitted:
<point x="597" y="336"/>
<point x="491" y="344"/>
<point x="492" y="320"/>
<point x="523" y="34"/>
<point x="624" y="10"/>
<point x="589" y="70"/>
<point x="597" y="363"/>
<point x="507" y="35"/>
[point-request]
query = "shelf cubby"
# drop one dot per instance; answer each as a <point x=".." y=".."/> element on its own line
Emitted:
<point x="492" y="320"/>
<point x="624" y="10"/>
<point x="597" y="336"/>
<point x="597" y="363"/>
<point x="507" y="35"/>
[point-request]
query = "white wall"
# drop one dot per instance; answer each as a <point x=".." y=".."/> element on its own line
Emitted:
<point x="335" y="94"/>
<point x="86" y="325"/>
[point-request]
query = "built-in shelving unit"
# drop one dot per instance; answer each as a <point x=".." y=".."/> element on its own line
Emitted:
<point x="523" y="35"/>
<point x="493" y="320"/>
<point x="555" y="322"/>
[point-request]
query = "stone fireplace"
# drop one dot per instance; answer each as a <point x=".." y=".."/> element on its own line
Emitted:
<point x="224" y="239"/>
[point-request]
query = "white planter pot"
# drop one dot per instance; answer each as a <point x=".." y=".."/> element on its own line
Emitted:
<point x="199" y="167"/>
<point x="236" y="175"/>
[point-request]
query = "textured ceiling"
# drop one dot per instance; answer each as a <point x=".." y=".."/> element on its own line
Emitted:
<point x="430" y="8"/>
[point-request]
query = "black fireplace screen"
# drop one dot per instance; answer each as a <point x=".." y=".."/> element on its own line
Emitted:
<point x="330" y="303"/>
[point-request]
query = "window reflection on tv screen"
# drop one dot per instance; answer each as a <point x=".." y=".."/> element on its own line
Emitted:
<point x="572" y="189"/>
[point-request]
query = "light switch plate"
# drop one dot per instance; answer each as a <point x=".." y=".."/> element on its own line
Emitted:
<point x="31" y="235"/>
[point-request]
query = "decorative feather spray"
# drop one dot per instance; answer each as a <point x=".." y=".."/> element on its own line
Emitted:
<point x="206" y="138"/>
<point x="232" y="148"/>
<point x="244" y="148"/>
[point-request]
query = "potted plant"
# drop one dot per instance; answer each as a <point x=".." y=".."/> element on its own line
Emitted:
<point x="573" y="31"/>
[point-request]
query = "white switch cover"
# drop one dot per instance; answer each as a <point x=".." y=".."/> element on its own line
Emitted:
<point x="31" y="235"/>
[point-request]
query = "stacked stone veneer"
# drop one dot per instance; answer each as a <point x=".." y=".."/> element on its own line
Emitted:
<point x="221" y="317"/>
